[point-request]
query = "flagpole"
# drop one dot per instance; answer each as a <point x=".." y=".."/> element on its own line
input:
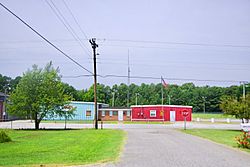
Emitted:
<point x="162" y="99"/>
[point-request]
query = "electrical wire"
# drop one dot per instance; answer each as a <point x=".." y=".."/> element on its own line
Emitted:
<point x="175" y="43"/>
<point x="45" y="39"/>
<point x="71" y="13"/>
<point x="158" y="78"/>
<point x="66" y="24"/>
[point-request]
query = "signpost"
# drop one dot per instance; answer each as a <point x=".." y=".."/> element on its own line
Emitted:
<point x="185" y="114"/>
<point x="245" y="127"/>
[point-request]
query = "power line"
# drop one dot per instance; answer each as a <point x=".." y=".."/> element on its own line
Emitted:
<point x="172" y="79"/>
<point x="64" y="21"/>
<point x="45" y="39"/>
<point x="75" y="19"/>
<point x="158" y="78"/>
<point x="77" y="76"/>
<point x="176" y="43"/>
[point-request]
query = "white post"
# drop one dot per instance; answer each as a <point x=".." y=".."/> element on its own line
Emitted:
<point x="212" y="120"/>
<point x="185" y="121"/>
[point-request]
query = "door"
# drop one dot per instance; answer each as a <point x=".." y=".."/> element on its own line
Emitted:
<point x="172" y="116"/>
<point x="120" y="115"/>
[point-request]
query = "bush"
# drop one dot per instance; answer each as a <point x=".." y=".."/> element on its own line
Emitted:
<point x="243" y="140"/>
<point x="4" y="137"/>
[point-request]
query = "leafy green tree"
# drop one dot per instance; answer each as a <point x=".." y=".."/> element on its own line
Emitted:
<point x="103" y="94"/>
<point x="240" y="108"/>
<point x="8" y="84"/>
<point x="39" y="93"/>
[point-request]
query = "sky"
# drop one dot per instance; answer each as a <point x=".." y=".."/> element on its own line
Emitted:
<point x="180" y="40"/>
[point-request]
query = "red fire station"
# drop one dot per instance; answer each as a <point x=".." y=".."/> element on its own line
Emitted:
<point x="161" y="113"/>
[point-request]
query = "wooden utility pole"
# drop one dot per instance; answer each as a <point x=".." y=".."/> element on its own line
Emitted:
<point x="94" y="46"/>
<point x="128" y="81"/>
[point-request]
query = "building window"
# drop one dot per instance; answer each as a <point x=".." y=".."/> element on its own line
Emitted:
<point x="110" y="113"/>
<point x="88" y="113"/>
<point x="115" y="112"/>
<point x="103" y="113"/>
<point x="128" y="113"/>
<point x="152" y="113"/>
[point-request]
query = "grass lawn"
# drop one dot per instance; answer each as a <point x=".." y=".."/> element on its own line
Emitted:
<point x="61" y="147"/>
<point x="220" y="136"/>
<point x="209" y="116"/>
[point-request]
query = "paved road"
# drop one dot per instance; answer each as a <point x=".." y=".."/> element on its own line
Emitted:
<point x="168" y="147"/>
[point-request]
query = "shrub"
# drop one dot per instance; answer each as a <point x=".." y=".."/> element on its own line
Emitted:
<point x="4" y="137"/>
<point x="243" y="140"/>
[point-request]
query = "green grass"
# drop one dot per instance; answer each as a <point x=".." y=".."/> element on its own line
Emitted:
<point x="209" y="116"/>
<point x="61" y="147"/>
<point x="226" y="137"/>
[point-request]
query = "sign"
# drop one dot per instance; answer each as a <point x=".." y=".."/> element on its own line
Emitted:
<point x="185" y="113"/>
<point x="245" y="127"/>
<point x="162" y="113"/>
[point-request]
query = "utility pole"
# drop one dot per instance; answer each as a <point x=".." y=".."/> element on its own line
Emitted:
<point x="128" y="81"/>
<point x="204" y="106"/>
<point x="169" y="100"/>
<point x="136" y="94"/>
<point x="113" y="99"/>
<point x="244" y="91"/>
<point x="94" y="46"/>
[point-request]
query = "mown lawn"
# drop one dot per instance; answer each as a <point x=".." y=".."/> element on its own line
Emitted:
<point x="61" y="147"/>
<point x="209" y="116"/>
<point x="226" y="137"/>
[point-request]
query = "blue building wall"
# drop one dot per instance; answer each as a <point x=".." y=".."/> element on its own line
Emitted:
<point x="80" y="111"/>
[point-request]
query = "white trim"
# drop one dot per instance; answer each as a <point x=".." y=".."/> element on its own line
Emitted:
<point x="103" y="113"/>
<point x="177" y="106"/>
<point x="128" y="115"/>
<point x="111" y="113"/>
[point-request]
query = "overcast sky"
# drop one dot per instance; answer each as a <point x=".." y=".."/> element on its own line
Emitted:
<point x="119" y="26"/>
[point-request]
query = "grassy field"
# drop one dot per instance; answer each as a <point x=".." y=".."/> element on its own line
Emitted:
<point x="61" y="147"/>
<point x="220" y="136"/>
<point x="209" y="116"/>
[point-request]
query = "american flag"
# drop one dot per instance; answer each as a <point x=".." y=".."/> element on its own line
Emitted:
<point x="164" y="84"/>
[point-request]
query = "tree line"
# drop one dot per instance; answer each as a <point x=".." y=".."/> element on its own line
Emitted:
<point x="202" y="98"/>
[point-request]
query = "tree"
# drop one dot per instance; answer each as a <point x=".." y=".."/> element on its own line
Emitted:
<point x="39" y="93"/>
<point x="240" y="108"/>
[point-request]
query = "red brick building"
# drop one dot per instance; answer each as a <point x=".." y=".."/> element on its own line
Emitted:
<point x="114" y="114"/>
<point x="160" y="113"/>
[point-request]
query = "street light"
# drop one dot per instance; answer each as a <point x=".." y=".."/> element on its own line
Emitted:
<point x="113" y="99"/>
<point x="6" y="88"/>
<point x="244" y="89"/>
<point x="169" y="97"/>
<point x="136" y="94"/>
<point x="204" y="106"/>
